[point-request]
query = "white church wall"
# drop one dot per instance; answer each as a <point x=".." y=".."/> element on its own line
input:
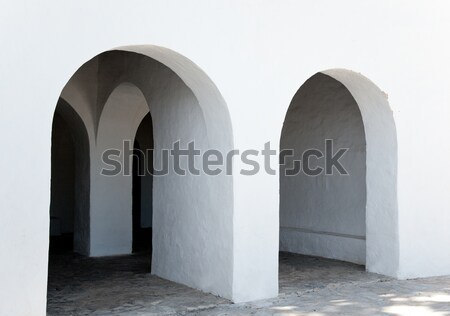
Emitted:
<point x="258" y="55"/>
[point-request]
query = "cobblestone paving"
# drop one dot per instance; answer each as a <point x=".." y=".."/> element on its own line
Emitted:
<point x="308" y="286"/>
<point x="117" y="286"/>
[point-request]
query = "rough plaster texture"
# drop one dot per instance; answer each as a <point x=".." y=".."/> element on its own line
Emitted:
<point x="258" y="55"/>
<point x="324" y="215"/>
<point x="382" y="245"/>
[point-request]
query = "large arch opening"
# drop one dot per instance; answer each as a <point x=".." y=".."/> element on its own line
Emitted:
<point x="345" y="211"/>
<point x="132" y="100"/>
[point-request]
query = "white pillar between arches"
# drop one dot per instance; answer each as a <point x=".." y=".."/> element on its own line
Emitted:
<point x="111" y="196"/>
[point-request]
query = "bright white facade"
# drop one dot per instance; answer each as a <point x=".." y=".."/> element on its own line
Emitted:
<point x="238" y="66"/>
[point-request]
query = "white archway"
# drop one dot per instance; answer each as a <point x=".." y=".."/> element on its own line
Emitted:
<point x="359" y="223"/>
<point x="192" y="215"/>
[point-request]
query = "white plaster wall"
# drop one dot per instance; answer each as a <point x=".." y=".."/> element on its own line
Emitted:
<point x="324" y="215"/>
<point x="203" y="260"/>
<point x="111" y="198"/>
<point x="382" y="229"/>
<point x="258" y="54"/>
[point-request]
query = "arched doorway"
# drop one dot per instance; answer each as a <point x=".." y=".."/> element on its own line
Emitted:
<point x="142" y="186"/>
<point x="153" y="97"/>
<point x="70" y="181"/>
<point x="63" y="186"/>
<point x="351" y="214"/>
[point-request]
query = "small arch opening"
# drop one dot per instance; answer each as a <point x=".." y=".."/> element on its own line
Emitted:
<point x="341" y="204"/>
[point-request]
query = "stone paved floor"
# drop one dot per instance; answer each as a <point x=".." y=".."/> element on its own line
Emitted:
<point x="116" y="286"/>
<point x="308" y="286"/>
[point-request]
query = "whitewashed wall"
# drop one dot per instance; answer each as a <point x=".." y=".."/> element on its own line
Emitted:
<point x="258" y="54"/>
